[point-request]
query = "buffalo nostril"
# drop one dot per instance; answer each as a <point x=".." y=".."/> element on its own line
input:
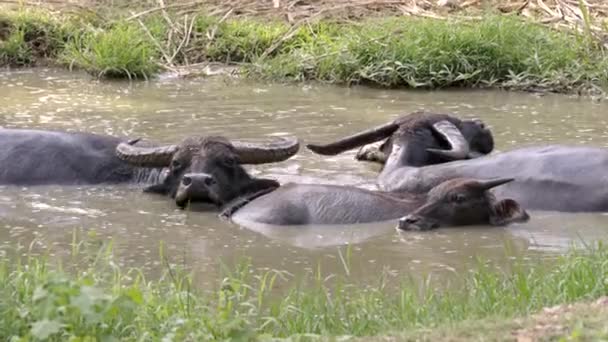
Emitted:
<point x="209" y="181"/>
<point x="186" y="180"/>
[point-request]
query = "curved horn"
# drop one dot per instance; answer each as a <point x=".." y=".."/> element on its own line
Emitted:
<point x="145" y="156"/>
<point x="362" y="138"/>
<point x="261" y="153"/>
<point x="491" y="183"/>
<point x="451" y="133"/>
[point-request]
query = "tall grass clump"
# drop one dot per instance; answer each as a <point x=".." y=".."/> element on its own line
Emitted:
<point x="241" y="40"/>
<point x="121" y="51"/>
<point x="28" y="36"/>
<point x="96" y="300"/>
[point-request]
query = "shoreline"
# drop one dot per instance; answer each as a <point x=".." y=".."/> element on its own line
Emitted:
<point x="492" y="51"/>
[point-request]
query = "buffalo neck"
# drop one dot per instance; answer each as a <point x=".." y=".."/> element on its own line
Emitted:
<point x="407" y="200"/>
<point x="234" y="205"/>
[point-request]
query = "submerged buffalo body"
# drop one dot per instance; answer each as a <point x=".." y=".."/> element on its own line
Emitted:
<point x="556" y="177"/>
<point x="36" y="157"/>
<point x="452" y="203"/>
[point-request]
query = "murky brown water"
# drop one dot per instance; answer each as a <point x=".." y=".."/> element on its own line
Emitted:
<point x="167" y="110"/>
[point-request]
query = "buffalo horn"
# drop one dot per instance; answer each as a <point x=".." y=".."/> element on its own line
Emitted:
<point x="146" y="156"/>
<point x="451" y="133"/>
<point x="491" y="183"/>
<point x="359" y="139"/>
<point x="271" y="152"/>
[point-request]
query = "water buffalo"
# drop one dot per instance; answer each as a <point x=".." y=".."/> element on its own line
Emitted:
<point x="557" y="177"/>
<point x="37" y="157"/>
<point x="554" y="177"/>
<point x="417" y="139"/>
<point x="451" y="203"/>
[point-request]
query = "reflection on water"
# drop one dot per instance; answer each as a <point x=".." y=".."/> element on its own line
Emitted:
<point x="168" y="110"/>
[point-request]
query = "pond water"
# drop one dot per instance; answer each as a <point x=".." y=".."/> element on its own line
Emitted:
<point x="166" y="110"/>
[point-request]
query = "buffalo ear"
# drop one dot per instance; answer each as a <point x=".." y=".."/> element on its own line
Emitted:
<point x="507" y="211"/>
<point x="161" y="189"/>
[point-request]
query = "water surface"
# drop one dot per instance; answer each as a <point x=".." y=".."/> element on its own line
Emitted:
<point x="166" y="110"/>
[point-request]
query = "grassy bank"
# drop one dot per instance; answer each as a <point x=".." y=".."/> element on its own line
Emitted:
<point x="495" y="50"/>
<point x="582" y="321"/>
<point x="96" y="300"/>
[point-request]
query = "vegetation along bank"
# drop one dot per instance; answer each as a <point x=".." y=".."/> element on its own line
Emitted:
<point x="487" y="49"/>
<point x="89" y="298"/>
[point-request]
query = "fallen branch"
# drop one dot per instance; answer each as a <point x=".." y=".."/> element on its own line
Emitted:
<point x="185" y="38"/>
<point x="211" y="33"/>
<point x="166" y="15"/>
<point x="162" y="8"/>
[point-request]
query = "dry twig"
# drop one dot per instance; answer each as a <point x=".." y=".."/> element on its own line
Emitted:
<point x="162" y="8"/>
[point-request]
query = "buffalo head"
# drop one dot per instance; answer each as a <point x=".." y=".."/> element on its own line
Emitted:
<point x="417" y="139"/>
<point x="463" y="201"/>
<point x="198" y="164"/>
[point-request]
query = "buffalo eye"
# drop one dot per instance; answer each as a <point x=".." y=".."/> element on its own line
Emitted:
<point x="175" y="164"/>
<point x="458" y="198"/>
<point x="230" y="162"/>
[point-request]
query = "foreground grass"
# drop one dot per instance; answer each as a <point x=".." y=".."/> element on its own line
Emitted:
<point x="498" y="51"/>
<point x="97" y="300"/>
<point x="583" y="321"/>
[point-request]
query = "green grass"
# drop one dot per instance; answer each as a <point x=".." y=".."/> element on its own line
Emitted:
<point x="582" y="321"/>
<point x="96" y="300"/>
<point x="29" y="35"/>
<point x="118" y="52"/>
<point x="496" y="51"/>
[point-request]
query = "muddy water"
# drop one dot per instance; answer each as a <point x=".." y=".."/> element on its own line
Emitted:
<point x="166" y="110"/>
